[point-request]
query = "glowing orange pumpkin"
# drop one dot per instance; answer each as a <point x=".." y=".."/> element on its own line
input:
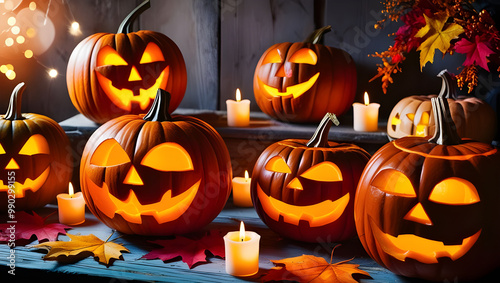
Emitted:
<point x="156" y="174"/>
<point x="302" y="81"/>
<point x="428" y="208"/>
<point x="110" y="75"/>
<point x="34" y="158"/>
<point x="304" y="190"/>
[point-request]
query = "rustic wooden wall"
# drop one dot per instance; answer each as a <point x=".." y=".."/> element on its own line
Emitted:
<point x="221" y="41"/>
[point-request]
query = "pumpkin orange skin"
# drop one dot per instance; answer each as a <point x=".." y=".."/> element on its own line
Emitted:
<point x="209" y="155"/>
<point x="426" y="164"/>
<point x="14" y="132"/>
<point x="333" y="91"/>
<point x="350" y="159"/>
<point x="474" y="118"/>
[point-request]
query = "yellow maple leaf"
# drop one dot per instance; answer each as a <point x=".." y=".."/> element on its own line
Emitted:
<point x="82" y="246"/>
<point x="437" y="35"/>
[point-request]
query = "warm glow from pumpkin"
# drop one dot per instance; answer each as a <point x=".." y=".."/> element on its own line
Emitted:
<point x="422" y="126"/>
<point x="12" y="165"/>
<point x="418" y="214"/>
<point x="325" y="172"/>
<point x="168" y="156"/>
<point x="295" y="90"/>
<point x="367" y="99"/>
<point x="295" y="184"/>
<point x="394" y="182"/>
<point x="304" y="56"/>
<point x="277" y="164"/>
<point x="152" y="53"/>
<point x="273" y="56"/>
<point x="424" y="250"/>
<point x="133" y="178"/>
<point x="109" y="153"/>
<point x="454" y="191"/>
<point x="316" y="215"/>
<point x="29" y="184"/>
<point x="395" y="120"/>
<point x="36" y="144"/>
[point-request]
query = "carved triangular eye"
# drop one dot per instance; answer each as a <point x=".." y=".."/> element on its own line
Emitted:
<point x="2" y="151"/>
<point x="36" y="144"/>
<point x="304" y="56"/>
<point x="277" y="164"/>
<point x="108" y="56"/>
<point x="273" y="56"/>
<point x="169" y="157"/>
<point x="394" y="182"/>
<point x="152" y="53"/>
<point x="109" y="153"/>
<point x="410" y="116"/>
<point x="325" y="171"/>
<point x="395" y="120"/>
<point x="454" y="191"/>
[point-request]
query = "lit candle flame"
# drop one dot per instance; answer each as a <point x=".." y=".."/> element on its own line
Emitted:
<point x="246" y="176"/>
<point x="242" y="231"/>
<point x="238" y="95"/>
<point x="71" y="190"/>
<point x="367" y="99"/>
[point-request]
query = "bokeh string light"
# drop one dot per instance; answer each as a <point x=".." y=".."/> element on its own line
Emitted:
<point x="26" y="32"/>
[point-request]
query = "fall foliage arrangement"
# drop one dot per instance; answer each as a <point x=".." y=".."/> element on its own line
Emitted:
<point x="448" y="25"/>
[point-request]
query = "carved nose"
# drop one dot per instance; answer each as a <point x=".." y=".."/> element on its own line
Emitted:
<point x="134" y="75"/>
<point x="12" y="165"/>
<point x="133" y="177"/>
<point x="284" y="71"/>
<point x="295" y="184"/>
<point x="418" y="214"/>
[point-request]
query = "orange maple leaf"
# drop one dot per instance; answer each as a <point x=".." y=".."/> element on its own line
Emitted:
<point x="309" y="268"/>
<point x="80" y="247"/>
<point x="437" y="35"/>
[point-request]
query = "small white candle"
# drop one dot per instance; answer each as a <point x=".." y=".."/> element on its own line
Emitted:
<point x="238" y="112"/>
<point x="241" y="191"/>
<point x="365" y="116"/>
<point x="71" y="207"/>
<point x="242" y="252"/>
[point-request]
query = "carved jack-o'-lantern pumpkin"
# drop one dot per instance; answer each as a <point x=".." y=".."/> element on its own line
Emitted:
<point x="302" y="81"/>
<point x="305" y="190"/>
<point x="110" y="75"/>
<point x="156" y="174"/>
<point x="412" y="116"/>
<point x="34" y="157"/>
<point x="428" y="208"/>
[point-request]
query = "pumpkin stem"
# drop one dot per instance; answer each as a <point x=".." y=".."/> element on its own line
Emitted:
<point x="448" y="87"/>
<point x="14" y="109"/>
<point x="316" y="35"/>
<point x="125" y="26"/>
<point x="446" y="131"/>
<point x="320" y="137"/>
<point x="159" y="109"/>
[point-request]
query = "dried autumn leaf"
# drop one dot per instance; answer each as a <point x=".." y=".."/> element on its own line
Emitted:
<point x="28" y="225"/>
<point x="308" y="268"/>
<point x="80" y="247"/>
<point x="192" y="251"/>
<point x="437" y="35"/>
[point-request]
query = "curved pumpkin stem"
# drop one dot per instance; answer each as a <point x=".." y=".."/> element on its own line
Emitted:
<point x="446" y="131"/>
<point x="14" y="110"/>
<point x="316" y="35"/>
<point x="159" y="109"/>
<point x="125" y="26"/>
<point x="448" y="87"/>
<point x="320" y="137"/>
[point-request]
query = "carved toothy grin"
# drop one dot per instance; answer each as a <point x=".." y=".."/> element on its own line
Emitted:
<point x="424" y="250"/>
<point x="316" y="215"/>
<point x="295" y="90"/>
<point x="28" y="185"/>
<point x="167" y="209"/>
<point x="123" y="98"/>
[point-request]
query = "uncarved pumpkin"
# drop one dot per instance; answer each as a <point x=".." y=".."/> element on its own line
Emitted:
<point x="304" y="190"/>
<point x="156" y="174"/>
<point x="302" y="81"/>
<point x="110" y="75"/>
<point x="429" y="208"/>
<point x="473" y="117"/>
<point x="35" y="157"/>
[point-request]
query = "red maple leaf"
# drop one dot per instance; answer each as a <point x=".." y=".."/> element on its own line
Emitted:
<point x="476" y="52"/>
<point x="192" y="251"/>
<point x="27" y="225"/>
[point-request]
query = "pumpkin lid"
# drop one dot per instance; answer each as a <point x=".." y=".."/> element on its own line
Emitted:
<point x="14" y="109"/>
<point x="320" y="137"/>
<point x="159" y="109"/>
<point x="125" y="26"/>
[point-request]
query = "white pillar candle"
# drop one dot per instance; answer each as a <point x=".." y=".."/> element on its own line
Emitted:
<point x="71" y="207"/>
<point x="241" y="191"/>
<point x="365" y="116"/>
<point x="242" y="252"/>
<point x="238" y="112"/>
